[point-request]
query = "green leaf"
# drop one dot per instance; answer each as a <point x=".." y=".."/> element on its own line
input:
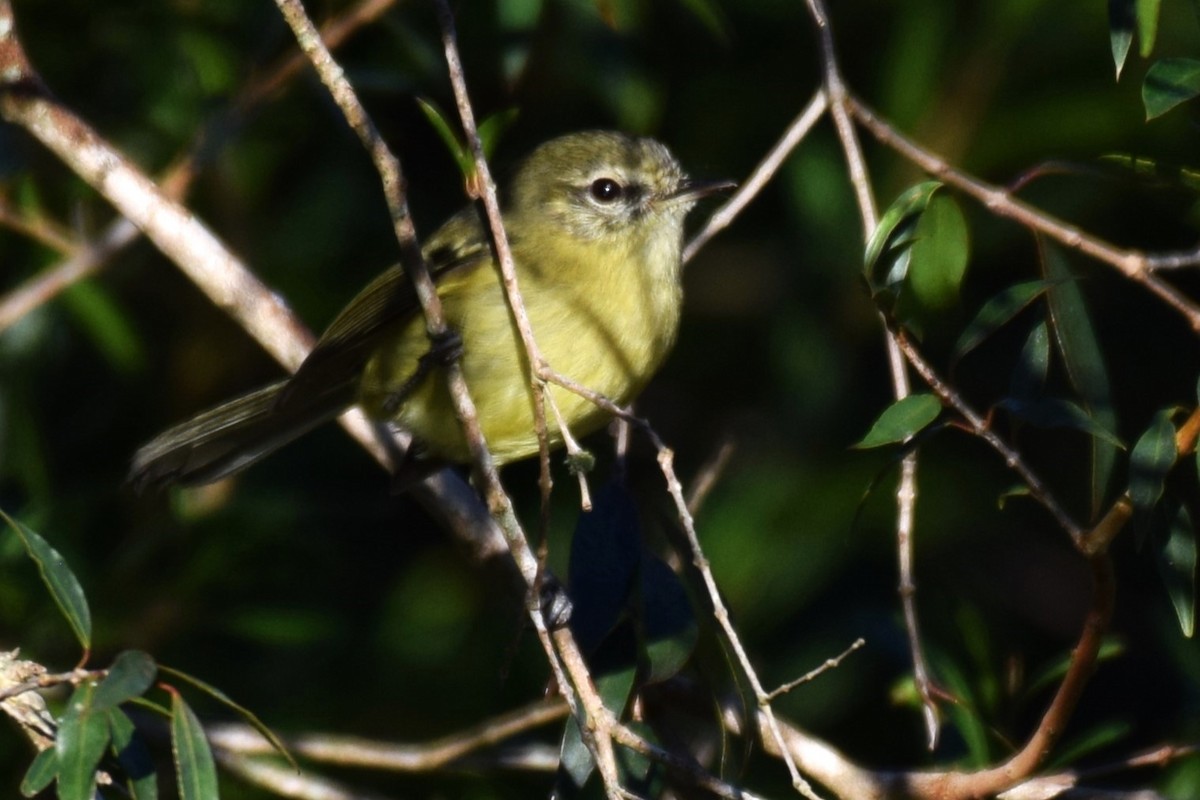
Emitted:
<point x="901" y="420"/>
<point x="63" y="585"/>
<point x="1149" y="462"/>
<point x="575" y="759"/>
<point x="939" y="254"/>
<point x="1168" y="83"/>
<point x="1080" y="350"/>
<point x="83" y="737"/>
<point x="460" y="152"/>
<point x="892" y="233"/>
<point x="41" y="772"/>
<point x="1147" y="22"/>
<point x="1053" y="412"/>
<point x="997" y="311"/>
<point x="1098" y="737"/>
<point x="130" y="675"/>
<point x="1033" y="365"/>
<point x="709" y="13"/>
<point x="668" y="624"/>
<point x="195" y="770"/>
<point x="492" y="128"/>
<point x="1177" y="565"/>
<point x="1121" y="19"/>
<point x="133" y="756"/>
<point x="246" y="714"/>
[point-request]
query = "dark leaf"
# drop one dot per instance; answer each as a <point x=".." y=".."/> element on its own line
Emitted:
<point x="130" y="675"/>
<point x="1177" y="565"/>
<point x="892" y="233"/>
<point x="1033" y="365"/>
<point x="133" y="756"/>
<point x="606" y="549"/>
<point x="668" y="623"/>
<point x="1149" y="462"/>
<point x="1052" y="412"/>
<point x="1076" y="339"/>
<point x="996" y="312"/>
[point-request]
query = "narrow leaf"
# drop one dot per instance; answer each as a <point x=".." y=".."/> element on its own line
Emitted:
<point x="1147" y="24"/>
<point x="246" y="714"/>
<point x="83" y="737"/>
<point x="998" y="310"/>
<point x="1177" y="564"/>
<point x="1149" y="462"/>
<point x="668" y="623"/>
<point x="195" y="769"/>
<point x="41" y="772"/>
<point x="1033" y="365"/>
<point x="912" y="202"/>
<point x="1120" y="30"/>
<point x="1080" y="350"/>
<point x="131" y="674"/>
<point x="939" y="254"/>
<point x="1168" y="83"/>
<point x="461" y="154"/>
<point x="63" y="585"/>
<point x="492" y="128"/>
<point x="606" y="549"/>
<point x="902" y="419"/>
<point x="133" y="756"/>
<point x="1053" y="412"/>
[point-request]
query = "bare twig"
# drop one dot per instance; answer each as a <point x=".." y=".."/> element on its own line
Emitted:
<point x="763" y="173"/>
<point x="830" y="663"/>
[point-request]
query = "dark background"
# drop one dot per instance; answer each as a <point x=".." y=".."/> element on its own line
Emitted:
<point x="308" y="593"/>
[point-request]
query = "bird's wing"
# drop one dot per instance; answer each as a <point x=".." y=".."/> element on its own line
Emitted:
<point x="388" y="301"/>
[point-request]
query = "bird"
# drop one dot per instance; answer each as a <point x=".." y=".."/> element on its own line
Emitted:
<point x="595" y="221"/>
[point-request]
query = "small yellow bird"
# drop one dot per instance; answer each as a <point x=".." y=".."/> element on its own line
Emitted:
<point x="595" y="220"/>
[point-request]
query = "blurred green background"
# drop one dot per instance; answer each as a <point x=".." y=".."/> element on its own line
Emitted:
<point x="312" y="595"/>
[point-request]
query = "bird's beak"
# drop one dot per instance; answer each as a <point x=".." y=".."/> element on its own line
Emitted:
<point x="690" y="190"/>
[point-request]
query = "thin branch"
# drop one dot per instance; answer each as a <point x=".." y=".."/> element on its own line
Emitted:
<point x="1132" y="264"/>
<point x="354" y="751"/>
<point x="758" y="179"/>
<point x="830" y="663"/>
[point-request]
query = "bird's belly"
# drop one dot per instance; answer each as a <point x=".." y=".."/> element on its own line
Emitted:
<point x="613" y="351"/>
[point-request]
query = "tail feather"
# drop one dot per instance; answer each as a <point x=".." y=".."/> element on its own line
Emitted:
<point x="232" y="436"/>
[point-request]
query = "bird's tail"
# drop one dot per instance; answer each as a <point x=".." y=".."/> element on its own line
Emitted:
<point x="232" y="436"/>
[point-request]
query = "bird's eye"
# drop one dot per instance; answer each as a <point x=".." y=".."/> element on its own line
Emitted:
<point x="605" y="190"/>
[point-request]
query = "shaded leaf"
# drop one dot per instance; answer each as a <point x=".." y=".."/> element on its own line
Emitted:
<point x="82" y="738"/>
<point x="1177" y="565"/>
<point x="63" y="585"/>
<point x="1080" y="350"/>
<point x="1163" y="173"/>
<point x="1033" y="364"/>
<point x="133" y="756"/>
<point x="939" y="253"/>
<point x="492" y="128"/>
<point x="1168" y="83"/>
<point x="575" y="759"/>
<point x="246" y="714"/>
<point x="902" y="419"/>
<point x="1120" y="30"/>
<point x="606" y="550"/>
<point x="130" y="675"/>
<point x="1088" y="743"/>
<point x="1053" y="412"/>
<point x="668" y="623"/>
<point x="196" y="773"/>
<point x="1019" y="490"/>
<point x="449" y="136"/>
<point x="1149" y="462"/>
<point x="998" y="310"/>
<point x="709" y="13"/>
<point x="41" y="772"/>
<point x="104" y="322"/>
